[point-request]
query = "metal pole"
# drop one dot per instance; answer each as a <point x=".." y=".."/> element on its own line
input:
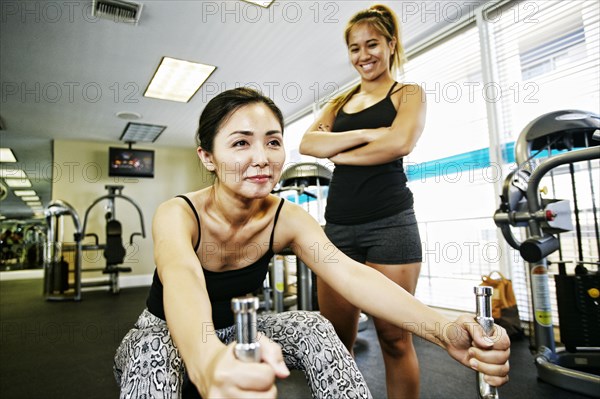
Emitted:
<point x="278" y="283"/>
<point x="483" y="301"/>
<point x="305" y="285"/>
<point x="594" y="208"/>
<point x="247" y="348"/>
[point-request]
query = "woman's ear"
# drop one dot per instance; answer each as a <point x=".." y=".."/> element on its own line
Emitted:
<point x="392" y="44"/>
<point x="206" y="159"/>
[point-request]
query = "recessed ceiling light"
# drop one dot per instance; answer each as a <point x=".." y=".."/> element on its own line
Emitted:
<point x="21" y="193"/>
<point x="12" y="174"/>
<point x="130" y="116"/>
<point x="33" y="204"/>
<point x="178" y="80"/>
<point x="6" y="155"/>
<point x="138" y="132"/>
<point x="17" y="183"/>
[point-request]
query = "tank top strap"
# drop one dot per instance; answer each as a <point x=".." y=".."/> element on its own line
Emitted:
<point x="275" y="223"/>
<point x="391" y="88"/>
<point x="197" y="218"/>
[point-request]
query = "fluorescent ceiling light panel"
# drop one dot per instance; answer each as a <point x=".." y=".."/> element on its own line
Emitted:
<point x="17" y="183"/>
<point x="136" y="132"/>
<point x="261" y="3"/>
<point x="29" y="198"/>
<point x="178" y="80"/>
<point x="22" y="193"/>
<point x="12" y="174"/>
<point x="34" y="204"/>
<point x="6" y="155"/>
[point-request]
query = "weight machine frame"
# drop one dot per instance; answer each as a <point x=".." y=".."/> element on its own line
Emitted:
<point x="53" y="253"/>
<point x="522" y="206"/>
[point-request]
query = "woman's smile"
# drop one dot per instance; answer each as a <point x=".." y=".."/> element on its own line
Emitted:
<point x="260" y="179"/>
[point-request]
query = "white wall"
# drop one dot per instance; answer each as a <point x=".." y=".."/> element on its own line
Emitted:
<point x="81" y="174"/>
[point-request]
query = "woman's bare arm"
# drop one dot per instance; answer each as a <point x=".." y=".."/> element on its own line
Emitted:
<point x="184" y="289"/>
<point x="319" y="142"/>
<point x="387" y="144"/>
<point x="377" y="295"/>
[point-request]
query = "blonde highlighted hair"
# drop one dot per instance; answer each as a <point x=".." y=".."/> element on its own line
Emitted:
<point x="384" y="21"/>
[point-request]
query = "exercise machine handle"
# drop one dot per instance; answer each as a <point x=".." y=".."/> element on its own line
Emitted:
<point x="96" y="242"/>
<point x="483" y="301"/>
<point x="133" y="235"/>
<point x="247" y="348"/>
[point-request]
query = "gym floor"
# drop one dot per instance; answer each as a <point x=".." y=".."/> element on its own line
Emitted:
<point x="65" y="350"/>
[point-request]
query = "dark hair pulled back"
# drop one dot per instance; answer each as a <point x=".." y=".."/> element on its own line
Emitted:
<point x="222" y="106"/>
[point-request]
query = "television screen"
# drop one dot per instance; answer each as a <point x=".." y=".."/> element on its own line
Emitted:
<point x="130" y="163"/>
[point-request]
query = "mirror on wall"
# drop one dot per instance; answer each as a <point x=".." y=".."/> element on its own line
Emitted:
<point x="26" y="172"/>
<point x="22" y="244"/>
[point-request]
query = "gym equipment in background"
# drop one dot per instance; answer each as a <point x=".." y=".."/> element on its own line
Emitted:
<point x="303" y="183"/>
<point x="568" y="137"/>
<point x="113" y="250"/>
<point x="58" y="284"/>
<point x="483" y="316"/>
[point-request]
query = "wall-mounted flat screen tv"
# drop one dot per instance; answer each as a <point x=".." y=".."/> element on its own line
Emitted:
<point x="126" y="162"/>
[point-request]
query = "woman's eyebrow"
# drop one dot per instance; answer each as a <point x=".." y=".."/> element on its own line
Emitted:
<point x="242" y="132"/>
<point x="251" y="133"/>
<point x="368" y="41"/>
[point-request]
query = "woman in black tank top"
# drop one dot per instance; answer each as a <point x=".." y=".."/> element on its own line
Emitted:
<point x="366" y="132"/>
<point x="215" y="243"/>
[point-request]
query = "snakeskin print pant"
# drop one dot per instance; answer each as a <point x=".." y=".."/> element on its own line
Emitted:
<point x="148" y="365"/>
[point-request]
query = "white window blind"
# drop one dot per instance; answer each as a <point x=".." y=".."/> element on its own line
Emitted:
<point x="547" y="57"/>
<point x="450" y="74"/>
<point x="447" y="171"/>
<point x="292" y="137"/>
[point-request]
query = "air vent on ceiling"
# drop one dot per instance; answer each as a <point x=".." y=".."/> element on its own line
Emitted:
<point x="117" y="10"/>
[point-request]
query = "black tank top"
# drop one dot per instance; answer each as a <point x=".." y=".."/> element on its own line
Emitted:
<point x="221" y="286"/>
<point x="360" y="194"/>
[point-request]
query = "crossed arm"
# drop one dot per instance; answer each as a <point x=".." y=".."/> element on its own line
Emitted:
<point x="370" y="146"/>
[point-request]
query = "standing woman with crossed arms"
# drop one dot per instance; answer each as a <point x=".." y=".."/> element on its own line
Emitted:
<point x="366" y="132"/>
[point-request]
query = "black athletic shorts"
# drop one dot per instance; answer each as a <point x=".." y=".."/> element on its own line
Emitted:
<point x="393" y="240"/>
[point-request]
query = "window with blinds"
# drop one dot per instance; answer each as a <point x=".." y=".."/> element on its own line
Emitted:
<point x="547" y="59"/>
<point x="292" y="138"/>
<point x="448" y="172"/>
<point x="544" y="57"/>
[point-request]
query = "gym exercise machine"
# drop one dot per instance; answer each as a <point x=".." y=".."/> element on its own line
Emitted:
<point x="57" y="286"/>
<point x="113" y="250"/>
<point x="301" y="183"/>
<point x="568" y="137"/>
<point x="57" y="281"/>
